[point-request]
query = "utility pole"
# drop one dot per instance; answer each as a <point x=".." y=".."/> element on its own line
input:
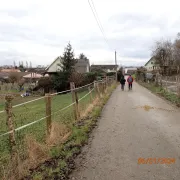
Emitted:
<point x="116" y="65"/>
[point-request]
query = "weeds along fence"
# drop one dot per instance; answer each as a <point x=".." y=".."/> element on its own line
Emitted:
<point x="169" y="83"/>
<point x="41" y="123"/>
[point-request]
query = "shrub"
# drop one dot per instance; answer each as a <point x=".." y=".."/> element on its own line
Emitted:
<point x="111" y="74"/>
<point x="60" y="81"/>
<point x="45" y="83"/>
<point x="77" y="78"/>
<point x="89" y="77"/>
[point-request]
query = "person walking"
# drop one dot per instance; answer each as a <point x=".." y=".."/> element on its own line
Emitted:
<point x="130" y="82"/>
<point x="122" y="81"/>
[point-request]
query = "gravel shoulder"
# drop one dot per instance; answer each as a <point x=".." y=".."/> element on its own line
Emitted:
<point x="134" y="124"/>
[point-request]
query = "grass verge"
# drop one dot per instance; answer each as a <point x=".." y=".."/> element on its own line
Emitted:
<point x="32" y="143"/>
<point x="62" y="158"/>
<point x="173" y="98"/>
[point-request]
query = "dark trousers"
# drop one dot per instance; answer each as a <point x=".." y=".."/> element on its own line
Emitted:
<point x="130" y="86"/>
<point x="122" y="87"/>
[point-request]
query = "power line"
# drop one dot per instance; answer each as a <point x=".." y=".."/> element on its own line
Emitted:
<point x="98" y="21"/>
<point x="93" y="8"/>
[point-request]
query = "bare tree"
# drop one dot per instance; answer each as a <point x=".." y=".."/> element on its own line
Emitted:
<point x="14" y="77"/>
<point x="77" y="78"/>
<point x="45" y="83"/>
<point x="177" y="52"/>
<point x="163" y="52"/>
<point x="21" y="83"/>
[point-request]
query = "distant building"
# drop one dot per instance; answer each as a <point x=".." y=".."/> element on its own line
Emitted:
<point x="33" y="76"/>
<point x="151" y="65"/>
<point x="35" y="70"/>
<point x="130" y="70"/>
<point x="54" y="66"/>
<point x="105" y="68"/>
<point x="82" y="65"/>
<point x="10" y="70"/>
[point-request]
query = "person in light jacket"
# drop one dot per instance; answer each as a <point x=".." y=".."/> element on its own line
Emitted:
<point x="130" y="82"/>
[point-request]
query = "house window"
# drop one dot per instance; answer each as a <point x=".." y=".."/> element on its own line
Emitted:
<point x="151" y="62"/>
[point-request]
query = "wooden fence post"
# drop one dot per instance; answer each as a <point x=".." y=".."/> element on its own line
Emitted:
<point x="74" y="100"/>
<point x="166" y="83"/>
<point x="156" y="80"/>
<point x="177" y="81"/>
<point x="104" y="86"/>
<point x="106" y="82"/>
<point x="95" y="88"/>
<point x="91" y="98"/>
<point x="178" y="87"/>
<point x="48" y="113"/>
<point x="98" y="89"/>
<point x="101" y="88"/>
<point x="77" y="105"/>
<point x="12" y="140"/>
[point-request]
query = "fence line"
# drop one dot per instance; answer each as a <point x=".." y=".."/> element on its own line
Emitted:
<point x="27" y="102"/>
<point x="29" y="124"/>
<point x="169" y="83"/>
<point x="17" y="147"/>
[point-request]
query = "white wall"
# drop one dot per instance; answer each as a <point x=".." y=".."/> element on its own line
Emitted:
<point x="150" y="65"/>
<point x="54" y="67"/>
<point x="87" y="70"/>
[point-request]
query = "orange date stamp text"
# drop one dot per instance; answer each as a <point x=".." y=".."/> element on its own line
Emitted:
<point x="156" y="160"/>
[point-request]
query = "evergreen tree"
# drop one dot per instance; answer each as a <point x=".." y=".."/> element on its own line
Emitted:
<point x="82" y="56"/>
<point x="67" y="60"/>
<point x="67" y="63"/>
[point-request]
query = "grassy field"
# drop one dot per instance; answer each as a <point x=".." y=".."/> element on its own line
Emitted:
<point x="33" y="111"/>
<point x="18" y="99"/>
<point x="62" y="158"/>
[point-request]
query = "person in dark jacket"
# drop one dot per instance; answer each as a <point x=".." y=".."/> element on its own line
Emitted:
<point x="122" y="81"/>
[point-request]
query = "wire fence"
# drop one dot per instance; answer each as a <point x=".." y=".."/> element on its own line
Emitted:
<point x="45" y="120"/>
<point x="170" y="83"/>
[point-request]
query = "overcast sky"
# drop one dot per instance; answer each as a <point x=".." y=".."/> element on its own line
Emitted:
<point x="38" y="30"/>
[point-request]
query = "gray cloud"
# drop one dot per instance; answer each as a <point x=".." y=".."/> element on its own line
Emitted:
<point x="135" y="34"/>
<point x="17" y="33"/>
<point x="137" y="20"/>
<point x="128" y="46"/>
<point x="15" y="13"/>
<point x="8" y="57"/>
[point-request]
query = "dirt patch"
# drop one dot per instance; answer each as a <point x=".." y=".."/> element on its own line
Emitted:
<point x="148" y="108"/>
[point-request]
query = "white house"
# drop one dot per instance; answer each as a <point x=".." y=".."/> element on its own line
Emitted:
<point x="82" y="66"/>
<point x="54" y="66"/>
<point x="151" y="65"/>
